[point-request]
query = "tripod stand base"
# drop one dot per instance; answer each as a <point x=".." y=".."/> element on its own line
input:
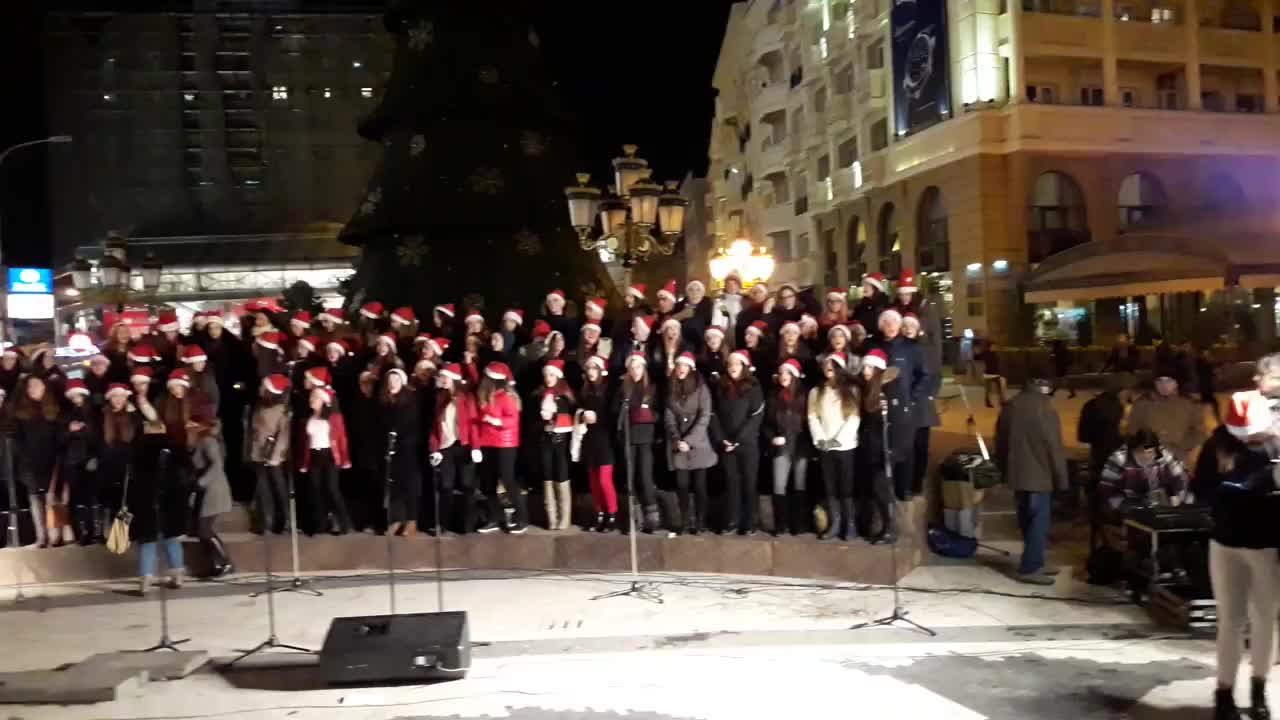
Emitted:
<point x="298" y="585"/>
<point x="897" y="616"/>
<point x="641" y="591"/>
<point x="271" y="643"/>
<point x="166" y="644"/>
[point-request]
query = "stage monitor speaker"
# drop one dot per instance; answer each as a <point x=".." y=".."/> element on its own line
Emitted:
<point x="389" y="649"/>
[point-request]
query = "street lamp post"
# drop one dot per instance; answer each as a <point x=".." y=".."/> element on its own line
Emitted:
<point x="114" y="276"/>
<point x="52" y="139"/>
<point x="634" y="208"/>
<point x="753" y="265"/>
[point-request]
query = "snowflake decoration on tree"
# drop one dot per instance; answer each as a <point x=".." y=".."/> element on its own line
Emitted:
<point x="528" y="243"/>
<point x="371" y="202"/>
<point x="533" y="143"/>
<point x="489" y="75"/>
<point x="486" y="180"/>
<point x="417" y="145"/>
<point x="534" y="39"/>
<point x="421" y="35"/>
<point x="412" y="252"/>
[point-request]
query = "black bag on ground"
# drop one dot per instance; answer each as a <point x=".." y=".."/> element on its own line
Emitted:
<point x="952" y="545"/>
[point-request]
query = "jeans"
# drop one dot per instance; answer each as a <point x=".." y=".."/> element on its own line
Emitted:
<point x="837" y="473"/>
<point x="554" y="456"/>
<point x="147" y="556"/>
<point x="642" y="453"/>
<point x="1033" y="520"/>
<point x="789" y="468"/>
<point x="500" y="471"/>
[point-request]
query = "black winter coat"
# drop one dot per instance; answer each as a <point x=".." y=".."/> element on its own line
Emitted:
<point x="80" y="446"/>
<point x="597" y="443"/>
<point x="738" y="416"/>
<point x="36" y="449"/>
<point x="867" y="312"/>
<point x="787" y="421"/>
<point x="1243" y="499"/>
<point x="694" y="327"/>
<point x="911" y="387"/>
<point x="402" y="416"/>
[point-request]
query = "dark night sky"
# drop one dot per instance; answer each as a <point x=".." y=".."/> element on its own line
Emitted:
<point x="636" y="71"/>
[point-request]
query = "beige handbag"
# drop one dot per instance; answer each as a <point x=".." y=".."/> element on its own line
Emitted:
<point x="118" y="537"/>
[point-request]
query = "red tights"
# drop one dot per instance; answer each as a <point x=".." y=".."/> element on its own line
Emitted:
<point x="602" y="491"/>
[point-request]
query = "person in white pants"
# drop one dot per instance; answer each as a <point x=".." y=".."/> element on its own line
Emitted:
<point x="1234" y="475"/>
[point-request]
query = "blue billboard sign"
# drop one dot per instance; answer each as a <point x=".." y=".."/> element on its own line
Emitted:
<point x="30" y="281"/>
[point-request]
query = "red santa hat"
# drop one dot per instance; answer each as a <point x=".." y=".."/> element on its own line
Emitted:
<point x="447" y="310"/>
<point x="855" y="326"/>
<point x="876" y="280"/>
<point x="637" y="357"/>
<point x="440" y="344"/>
<point x="339" y="344"/>
<point x="837" y="294"/>
<point x="714" y="330"/>
<point x="253" y="306"/>
<point x="839" y="358"/>
<point x="333" y="315"/>
<point x="514" y="315"/>
<point x="119" y="389"/>
<point x="193" y="353"/>
<point x="541" y="329"/>
<point x="909" y="318"/>
<point x="555" y="367"/>
<point x="473" y="314"/>
<point x="637" y="290"/>
<point x="141" y="373"/>
<point x="596" y="305"/>
<point x="76" y="387"/>
<point x="670" y="321"/>
<point x="807" y="320"/>
<point x="789" y="326"/>
<point x="686" y="358"/>
<point x="318" y="375"/>
<point x="302" y="319"/>
<point x="168" y="322"/>
<point x="907" y="281"/>
<point x="371" y="310"/>
<point x="327" y="395"/>
<point x="695" y="283"/>
<point x="557" y="293"/>
<point x="421" y="338"/>
<point x="276" y="384"/>
<point x="648" y="320"/>
<point x="214" y="317"/>
<point x="759" y="328"/>
<point x="1249" y="413"/>
<point x="197" y="320"/>
<point x="11" y="349"/>
<point x="270" y="340"/>
<point x="424" y="363"/>
<point x="388" y="339"/>
<point x="403" y="316"/>
<point x="591" y="326"/>
<point x="179" y="377"/>
<point x="838" y="328"/>
<point x="876" y="359"/>
<point x="398" y="371"/>
<point x="498" y="371"/>
<point x="743" y="356"/>
<point x="598" y="361"/>
<point x="453" y="371"/>
<point x="143" y="353"/>
<point x="791" y="366"/>
<point x="309" y="343"/>
<point x="668" y="291"/>
<point x="888" y="314"/>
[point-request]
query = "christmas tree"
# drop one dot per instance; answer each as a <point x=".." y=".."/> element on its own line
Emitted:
<point x="469" y="196"/>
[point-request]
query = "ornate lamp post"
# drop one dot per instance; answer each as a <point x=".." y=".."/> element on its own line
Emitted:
<point x="637" y="217"/>
<point x="115" y="286"/>
<point x="753" y="265"/>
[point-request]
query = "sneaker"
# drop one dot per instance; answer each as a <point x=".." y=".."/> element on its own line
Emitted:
<point x="144" y="584"/>
<point x="519" y="529"/>
<point x="1038" y="578"/>
<point x="1051" y="570"/>
<point x="490" y="527"/>
<point x="175" y="580"/>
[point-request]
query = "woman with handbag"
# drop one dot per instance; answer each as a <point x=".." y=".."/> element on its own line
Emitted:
<point x="121" y="427"/>
<point x="212" y="496"/>
<point x="596" y="451"/>
<point x="787" y="434"/>
<point x="833" y="425"/>
<point x="36" y="455"/>
<point x="555" y="405"/>
<point x="687" y="418"/>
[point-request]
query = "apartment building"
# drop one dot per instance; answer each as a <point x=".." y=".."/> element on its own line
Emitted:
<point x="1056" y="167"/>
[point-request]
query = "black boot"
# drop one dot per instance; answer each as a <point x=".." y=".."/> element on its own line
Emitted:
<point x="599" y="526"/>
<point x="850" y="529"/>
<point x="610" y="523"/>
<point x="780" y="511"/>
<point x="651" y="519"/>
<point x="801" y="513"/>
<point x="84" y="524"/>
<point x="888" y="515"/>
<point x="1224" y="705"/>
<point x="1258" y="699"/>
<point x="833" y="520"/>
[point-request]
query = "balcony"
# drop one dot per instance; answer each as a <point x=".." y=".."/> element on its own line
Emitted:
<point x="777" y="218"/>
<point x="770" y="97"/>
<point x="821" y="195"/>
<point x="839" y="113"/>
<point x="1239" y="48"/>
<point x="870" y="92"/>
<point x="1154" y="42"/>
<point x="768" y="39"/>
<point x="843" y="185"/>
<point x="772" y="158"/>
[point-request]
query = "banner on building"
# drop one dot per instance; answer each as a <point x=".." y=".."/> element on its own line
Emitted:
<point x="921" y="64"/>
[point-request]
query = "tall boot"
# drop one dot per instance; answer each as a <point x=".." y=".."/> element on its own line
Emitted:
<point x="780" y="511"/>
<point x="1224" y="705"/>
<point x="651" y="518"/>
<point x="800" y="512"/>
<point x="850" y="530"/>
<point x="686" y="511"/>
<point x="833" y="520"/>
<point x="98" y="527"/>
<point x="468" y="500"/>
<point x="564" y="497"/>
<point x="1258" y="699"/>
<point x="549" y="502"/>
<point x="889" y="516"/>
<point x="37" y="520"/>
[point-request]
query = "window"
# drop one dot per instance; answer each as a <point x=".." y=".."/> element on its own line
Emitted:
<point x="1162" y="14"/>
<point x="1043" y="94"/>
<point x="1167" y="92"/>
<point x="1248" y="103"/>
<point x="847" y="153"/>
<point x="880" y="134"/>
<point x="830" y="271"/>
<point x="1124" y="11"/>
<point x="327" y="92"/>
<point x="1129" y="97"/>
<point x="108" y="97"/>
<point x="1055" y="216"/>
<point x="802" y="245"/>
<point x="824" y="167"/>
<point x="279" y="92"/>
<point x="875" y="55"/>
<point x="357" y="64"/>
<point x="844" y="80"/>
<point x="366" y="92"/>
<point x="189" y="96"/>
<point x="820" y="100"/>
<point x="1140" y="198"/>
<point x="782" y="246"/>
<point x="1091" y="96"/>
<point x="934" y="244"/>
<point x="890" y="243"/>
<point x="1212" y="101"/>
<point x="856" y="247"/>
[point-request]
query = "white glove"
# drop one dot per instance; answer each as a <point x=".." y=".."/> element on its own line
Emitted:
<point x="92" y="465"/>
<point x="589" y="416"/>
<point x="476" y="456"/>
<point x="435" y="459"/>
<point x="779" y="441"/>
<point x="496" y="422"/>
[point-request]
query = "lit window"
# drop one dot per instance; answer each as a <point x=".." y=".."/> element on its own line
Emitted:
<point x="328" y="92"/>
<point x="366" y="92"/>
<point x="823" y="48"/>
<point x="189" y="97"/>
<point x="279" y="92"/>
<point x="357" y="64"/>
<point x="109" y="97"/>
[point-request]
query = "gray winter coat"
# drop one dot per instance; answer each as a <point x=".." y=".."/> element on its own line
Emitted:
<point x="268" y="421"/>
<point x="687" y="421"/>
<point x="1029" y="443"/>
<point x="213" y="492"/>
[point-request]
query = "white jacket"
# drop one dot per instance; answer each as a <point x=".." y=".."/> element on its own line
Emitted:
<point x="827" y="420"/>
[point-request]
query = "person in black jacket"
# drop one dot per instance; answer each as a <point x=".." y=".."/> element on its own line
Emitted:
<point x="871" y="483"/>
<point x="553" y="405"/>
<point x="753" y="310"/>
<point x="635" y="405"/>
<point x="398" y="413"/>
<point x="120" y="428"/>
<point x="79" y="465"/>
<point x="1099" y="427"/>
<point x="712" y="356"/>
<point x="874" y="300"/>
<point x="597" y="442"/>
<point x="739" y="412"/>
<point x="36" y="451"/>
<point x="695" y="312"/>
<point x="556" y="318"/>
<point x="786" y="434"/>
<point x="909" y="388"/>
<point x="363" y="486"/>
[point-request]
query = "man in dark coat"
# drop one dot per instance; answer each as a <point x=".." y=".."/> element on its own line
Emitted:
<point x="235" y="372"/>
<point x="1030" y="456"/>
<point x="904" y="396"/>
<point x="753" y="309"/>
<point x="1099" y="427"/>
<point x="695" y="312"/>
<point x="874" y="301"/>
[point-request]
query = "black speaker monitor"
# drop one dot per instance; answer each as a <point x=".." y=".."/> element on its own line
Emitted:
<point x="388" y="649"/>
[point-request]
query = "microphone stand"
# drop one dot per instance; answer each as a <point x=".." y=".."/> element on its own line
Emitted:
<point x="272" y="642"/>
<point x="15" y="540"/>
<point x="439" y="552"/>
<point x="637" y="589"/>
<point x="899" y="614"/>
<point x="388" y="481"/>
<point x="165" y="642"/>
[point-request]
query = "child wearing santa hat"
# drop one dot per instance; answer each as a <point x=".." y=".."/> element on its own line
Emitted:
<point x="556" y="404"/>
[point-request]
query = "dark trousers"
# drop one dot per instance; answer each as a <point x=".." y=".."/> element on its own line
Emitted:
<point x="837" y="474"/>
<point x="1033" y="520"/>
<point x="741" y="493"/>
<point x="326" y="495"/>
<point x="642" y="456"/>
<point x="500" y="468"/>
<point x="920" y="460"/>
<point x="211" y="542"/>
<point x="554" y="455"/>
<point x="902" y="476"/>
<point x="456" y="473"/>
<point x="272" y="497"/>
<point x="698" y="480"/>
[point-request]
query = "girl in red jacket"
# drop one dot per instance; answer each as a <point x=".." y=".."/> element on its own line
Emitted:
<point x="324" y="452"/>
<point x="499" y="431"/>
<point x="454" y="446"/>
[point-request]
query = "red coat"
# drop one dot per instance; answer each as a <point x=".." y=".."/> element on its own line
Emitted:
<point x="468" y="430"/>
<point x="504" y="407"/>
<point x="337" y="442"/>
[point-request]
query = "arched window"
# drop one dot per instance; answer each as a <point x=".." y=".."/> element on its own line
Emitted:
<point x="1140" y="199"/>
<point x="1056" y="218"/>
<point x="934" y="245"/>
<point x="856" y="247"/>
<point x="890" y="243"/>
<point x="1222" y="192"/>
